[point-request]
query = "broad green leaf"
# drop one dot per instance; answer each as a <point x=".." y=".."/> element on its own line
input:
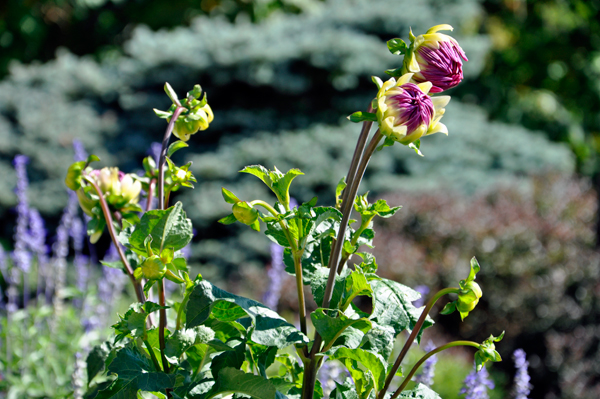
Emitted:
<point x="96" y="359"/>
<point x="259" y="171"/>
<point x="176" y="146"/>
<point x="356" y="285"/>
<point x="133" y="322"/>
<point x="113" y="265"/>
<point x="135" y="372"/>
<point x="229" y="219"/>
<point x="231" y="380"/>
<point x="262" y="357"/>
<point x="345" y="391"/>
<point x="232" y="358"/>
<point x="169" y="228"/>
<point x="421" y="391"/>
<point x="319" y="283"/>
<point x="379" y="339"/>
<point x="374" y="368"/>
<point x="270" y="329"/>
<point x="392" y="306"/>
<point x="331" y="327"/>
<point x="281" y="187"/>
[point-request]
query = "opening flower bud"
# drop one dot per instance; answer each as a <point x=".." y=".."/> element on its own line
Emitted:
<point x="153" y="268"/>
<point x="468" y="297"/>
<point x="244" y="213"/>
<point x="405" y="112"/>
<point x="436" y="58"/>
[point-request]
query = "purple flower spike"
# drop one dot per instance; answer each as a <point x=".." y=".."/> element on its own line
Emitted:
<point x="476" y="384"/>
<point x="436" y="58"/>
<point x="428" y="371"/>
<point x="522" y="384"/>
<point x="275" y="274"/>
<point x="21" y="255"/>
<point x="79" y="150"/>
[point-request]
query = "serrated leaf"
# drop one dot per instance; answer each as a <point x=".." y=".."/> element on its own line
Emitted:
<point x="392" y="305"/>
<point x="331" y="327"/>
<point x="176" y="146"/>
<point x="270" y="329"/>
<point x="259" y="171"/>
<point x="96" y="359"/>
<point x="169" y="228"/>
<point x="135" y="373"/>
<point x="231" y="380"/>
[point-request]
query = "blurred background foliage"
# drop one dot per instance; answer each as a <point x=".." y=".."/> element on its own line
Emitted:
<point x="515" y="183"/>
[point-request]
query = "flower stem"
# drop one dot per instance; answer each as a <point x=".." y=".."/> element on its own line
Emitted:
<point x="427" y="356"/>
<point x="139" y="292"/>
<point x="152" y="355"/>
<point x="162" y="324"/>
<point x="163" y="156"/>
<point x="412" y="337"/>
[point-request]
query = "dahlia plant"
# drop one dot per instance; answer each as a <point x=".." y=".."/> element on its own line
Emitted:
<point x="213" y="343"/>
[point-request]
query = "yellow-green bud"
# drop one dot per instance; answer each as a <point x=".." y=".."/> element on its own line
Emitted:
<point x="468" y="297"/>
<point x="487" y="351"/>
<point x="244" y="213"/>
<point x="153" y="268"/>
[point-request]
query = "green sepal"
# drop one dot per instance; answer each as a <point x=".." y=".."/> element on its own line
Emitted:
<point x="338" y="192"/>
<point x="162" y="114"/>
<point x="449" y="308"/>
<point x="196" y="92"/>
<point x="229" y="219"/>
<point x="75" y="172"/>
<point x="171" y="93"/>
<point x="360" y="116"/>
<point x="397" y="46"/>
<point x="388" y="142"/>
<point x="487" y="351"/>
<point x="378" y="82"/>
<point x="245" y="213"/>
<point x="229" y="197"/>
<point x="175" y="146"/>
<point x="395" y="73"/>
<point x="416" y="145"/>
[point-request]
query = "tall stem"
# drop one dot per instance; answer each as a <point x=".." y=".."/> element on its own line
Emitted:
<point x="162" y="324"/>
<point x="163" y="156"/>
<point x="412" y="337"/>
<point x="139" y="291"/>
<point x="427" y="356"/>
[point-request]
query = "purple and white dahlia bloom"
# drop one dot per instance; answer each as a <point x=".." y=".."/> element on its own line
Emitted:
<point x="435" y="57"/>
<point x="405" y="111"/>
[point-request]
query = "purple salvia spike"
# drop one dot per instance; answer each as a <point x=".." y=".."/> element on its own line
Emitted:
<point x="275" y="274"/>
<point x="5" y="276"/>
<point x="21" y="256"/>
<point x="423" y="290"/>
<point x="428" y="370"/>
<point x="155" y="149"/>
<point x="37" y="245"/>
<point x="476" y="384"/>
<point x="79" y="150"/>
<point x="522" y="385"/>
<point x="60" y="248"/>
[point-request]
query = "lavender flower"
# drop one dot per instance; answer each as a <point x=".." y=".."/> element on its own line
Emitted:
<point x="79" y="149"/>
<point x="60" y="249"/>
<point x="522" y="385"/>
<point x="4" y="271"/>
<point x="78" y="377"/>
<point x="155" y="149"/>
<point x="428" y="370"/>
<point x="476" y="384"/>
<point x="423" y="290"/>
<point x="275" y="274"/>
<point x="21" y="255"/>
<point x="37" y="245"/>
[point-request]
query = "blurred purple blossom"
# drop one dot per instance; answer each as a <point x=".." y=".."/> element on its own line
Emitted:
<point x="154" y="152"/>
<point x="21" y="255"/>
<point x="522" y="380"/>
<point x="275" y="274"/>
<point x="79" y="149"/>
<point x="37" y="245"/>
<point x="60" y="249"/>
<point x="423" y="290"/>
<point x="428" y="370"/>
<point x="476" y="384"/>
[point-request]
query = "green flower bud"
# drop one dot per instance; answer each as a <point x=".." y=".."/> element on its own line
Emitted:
<point x="487" y="351"/>
<point x="196" y="120"/>
<point x="244" y="213"/>
<point x="468" y="295"/>
<point x="153" y="268"/>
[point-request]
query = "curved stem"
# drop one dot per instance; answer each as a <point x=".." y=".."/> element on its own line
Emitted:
<point x="139" y="292"/>
<point x="412" y="337"/>
<point x="297" y="255"/>
<point x="427" y="356"/>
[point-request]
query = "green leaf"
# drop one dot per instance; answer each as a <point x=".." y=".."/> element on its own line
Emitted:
<point x="133" y="322"/>
<point x="397" y="46"/>
<point x="75" y="175"/>
<point x="259" y="171"/>
<point x="281" y="186"/>
<point x="374" y="368"/>
<point x="392" y="305"/>
<point x="96" y="360"/>
<point x="330" y="328"/>
<point x="360" y="116"/>
<point x="229" y="219"/>
<point x="176" y="146"/>
<point x="270" y="329"/>
<point x="232" y="358"/>
<point x="421" y="391"/>
<point x="395" y="73"/>
<point x="114" y="265"/>
<point x="319" y="283"/>
<point x="169" y="228"/>
<point x="338" y="191"/>
<point x="231" y="380"/>
<point x="379" y="339"/>
<point x="135" y="372"/>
